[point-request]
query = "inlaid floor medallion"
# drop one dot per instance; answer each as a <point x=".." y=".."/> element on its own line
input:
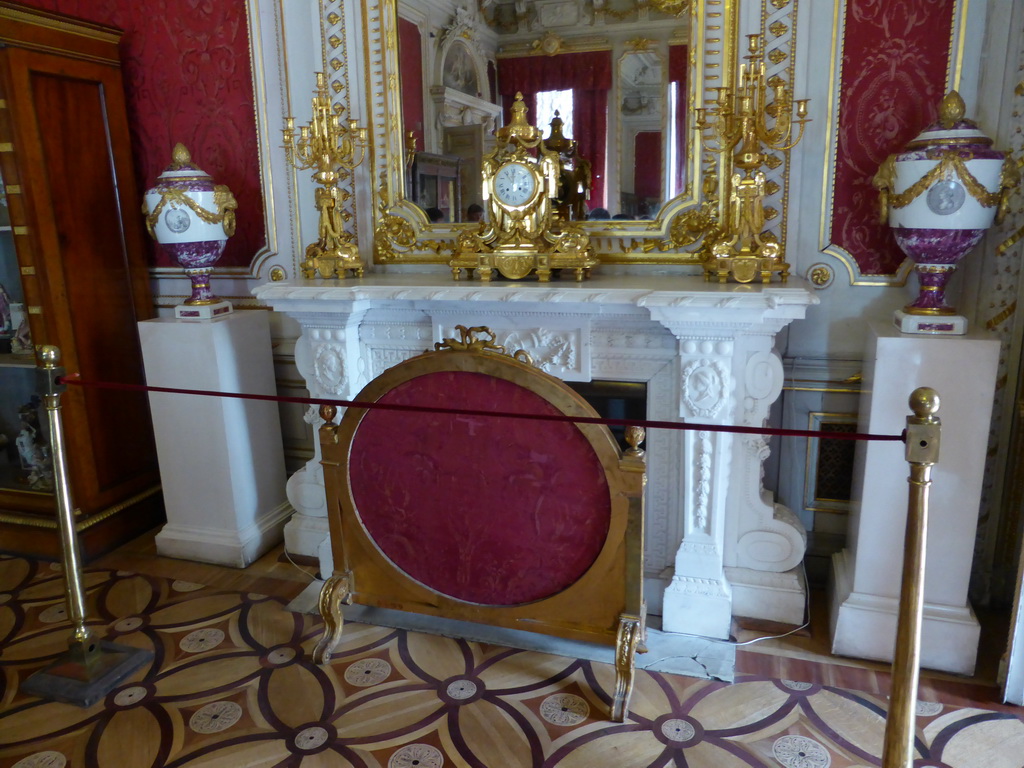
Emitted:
<point x="231" y="685"/>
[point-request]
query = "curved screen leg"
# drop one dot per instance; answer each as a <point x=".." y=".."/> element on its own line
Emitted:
<point x="336" y="592"/>
<point x="630" y="632"/>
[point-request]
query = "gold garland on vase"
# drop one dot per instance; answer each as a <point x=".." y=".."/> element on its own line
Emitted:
<point x="950" y="164"/>
<point x="176" y="198"/>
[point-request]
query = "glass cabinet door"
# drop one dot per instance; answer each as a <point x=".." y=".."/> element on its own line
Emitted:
<point x="25" y="462"/>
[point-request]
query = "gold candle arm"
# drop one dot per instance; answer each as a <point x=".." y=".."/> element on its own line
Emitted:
<point x="410" y="148"/>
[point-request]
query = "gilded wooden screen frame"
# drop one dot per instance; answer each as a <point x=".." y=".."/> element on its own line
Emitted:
<point x="603" y="605"/>
<point x="402" y="233"/>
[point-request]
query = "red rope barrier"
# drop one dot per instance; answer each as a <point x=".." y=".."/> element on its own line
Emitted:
<point x="76" y="380"/>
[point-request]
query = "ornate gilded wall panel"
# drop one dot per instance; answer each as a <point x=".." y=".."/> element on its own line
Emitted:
<point x="888" y="76"/>
<point x="778" y="27"/>
<point x="336" y="64"/>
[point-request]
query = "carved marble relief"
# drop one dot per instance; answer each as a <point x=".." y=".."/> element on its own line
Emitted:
<point x="693" y="585"/>
<point x="552" y="351"/>
<point x="704" y="384"/>
<point x="329" y="368"/>
<point x="702" y="481"/>
<point x="763" y="380"/>
<point x="382" y="358"/>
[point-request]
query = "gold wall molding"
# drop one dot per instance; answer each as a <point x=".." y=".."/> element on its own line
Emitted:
<point x="955" y="58"/>
<point x="778" y="30"/>
<point x="259" y="59"/>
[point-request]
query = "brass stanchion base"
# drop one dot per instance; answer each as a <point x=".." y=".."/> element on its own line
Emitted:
<point x="69" y="680"/>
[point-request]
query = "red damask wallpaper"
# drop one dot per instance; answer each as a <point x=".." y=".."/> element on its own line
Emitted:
<point x="895" y="57"/>
<point x="188" y="79"/>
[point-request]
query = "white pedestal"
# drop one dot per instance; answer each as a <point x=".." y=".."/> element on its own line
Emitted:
<point x="203" y="311"/>
<point x="867" y="575"/>
<point x="933" y="325"/>
<point x="221" y="459"/>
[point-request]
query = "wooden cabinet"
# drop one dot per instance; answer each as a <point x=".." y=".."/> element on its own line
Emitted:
<point x="73" y="255"/>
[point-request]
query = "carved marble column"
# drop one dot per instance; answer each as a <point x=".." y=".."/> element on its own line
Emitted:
<point x="329" y="359"/>
<point x="764" y="561"/>
<point x="740" y="552"/>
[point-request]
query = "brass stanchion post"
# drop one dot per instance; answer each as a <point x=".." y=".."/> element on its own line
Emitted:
<point x="922" y="452"/>
<point x="91" y="667"/>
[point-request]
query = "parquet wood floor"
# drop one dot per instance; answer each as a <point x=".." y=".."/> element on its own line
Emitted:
<point x="231" y="685"/>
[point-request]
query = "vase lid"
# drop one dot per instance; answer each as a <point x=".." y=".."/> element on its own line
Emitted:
<point x="182" y="167"/>
<point x="951" y="129"/>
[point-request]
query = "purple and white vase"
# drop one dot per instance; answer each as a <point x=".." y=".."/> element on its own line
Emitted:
<point x="192" y="219"/>
<point x="940" y="195"/>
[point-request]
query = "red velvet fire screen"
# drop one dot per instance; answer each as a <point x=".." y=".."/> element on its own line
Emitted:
<point x="436" y="494"/>
<point x="527" y="524"/>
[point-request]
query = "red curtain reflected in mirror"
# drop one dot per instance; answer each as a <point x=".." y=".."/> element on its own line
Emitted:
<point x="647" y="155"/>
<point x="590" y="77"/>
<point x="410" y="62"/>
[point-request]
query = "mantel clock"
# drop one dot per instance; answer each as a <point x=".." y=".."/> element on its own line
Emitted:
<point x="523" y="233"/>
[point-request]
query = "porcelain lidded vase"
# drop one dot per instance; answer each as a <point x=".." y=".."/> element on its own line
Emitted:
<point x="940" y="195"/>
<point x="192" y="219"/>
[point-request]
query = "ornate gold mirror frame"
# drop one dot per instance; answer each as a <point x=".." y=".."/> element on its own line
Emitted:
<point x="403" y="234"/>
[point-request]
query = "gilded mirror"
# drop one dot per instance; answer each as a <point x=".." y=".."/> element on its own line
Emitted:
<point x="429" y="131"/>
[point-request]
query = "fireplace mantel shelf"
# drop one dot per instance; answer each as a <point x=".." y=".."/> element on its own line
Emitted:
<point x="717" y="544"/>
<point x="614" y="290"/>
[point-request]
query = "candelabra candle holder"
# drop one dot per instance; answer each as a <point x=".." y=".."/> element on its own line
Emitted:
<point x="747" y="120"/>
<point x="410" y="148"/>
<point x="333" y="149"/>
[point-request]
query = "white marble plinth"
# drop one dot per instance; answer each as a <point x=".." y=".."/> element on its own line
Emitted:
<point x="705" y="352"/>
<point x="221" y="459"/>
<point x="203" y="311"/>
<point x="932" y="325"/>
<point x="778" y="597"/>
<point x="867" y="575"/>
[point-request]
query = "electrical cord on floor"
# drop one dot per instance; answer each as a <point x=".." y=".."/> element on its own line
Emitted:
<point x="772" y="637"/>
<point x="805" y="625"/>
<point x="311" y="576"/>
<point x="736" y="643"/>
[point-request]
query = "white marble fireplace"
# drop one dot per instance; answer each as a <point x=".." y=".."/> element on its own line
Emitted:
<point x="717" y="544"/>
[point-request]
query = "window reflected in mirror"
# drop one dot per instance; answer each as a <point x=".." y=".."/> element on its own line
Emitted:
<point x="555" y="103"/>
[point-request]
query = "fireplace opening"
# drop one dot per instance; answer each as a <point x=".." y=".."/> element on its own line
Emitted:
<point x="615" y="400"/>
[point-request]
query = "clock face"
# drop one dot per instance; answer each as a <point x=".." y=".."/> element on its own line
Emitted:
<point x="514" y="184"/>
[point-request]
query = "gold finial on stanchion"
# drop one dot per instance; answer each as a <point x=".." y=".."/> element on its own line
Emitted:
<point x="91" y="667"/>
<point x="922" y="452"/>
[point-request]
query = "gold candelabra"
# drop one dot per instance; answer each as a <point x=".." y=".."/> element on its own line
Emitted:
<point x="333" y="148"/>
<point x="672" y="7"/>
<point x="746" y="121"/>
